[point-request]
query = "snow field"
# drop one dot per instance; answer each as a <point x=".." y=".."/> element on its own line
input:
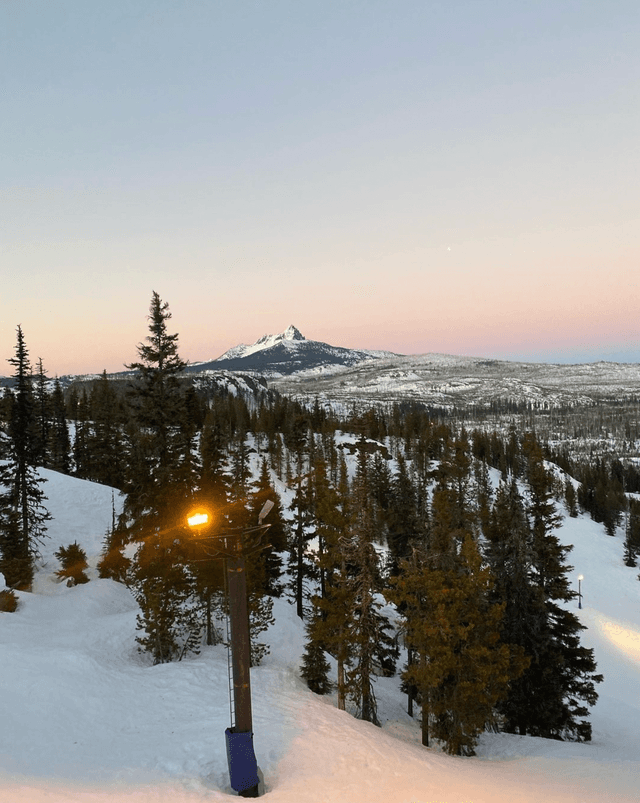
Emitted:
<point x="84" y="717"/>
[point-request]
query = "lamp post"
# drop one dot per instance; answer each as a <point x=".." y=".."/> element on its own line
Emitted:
<point x="229" y="546"/>
<point x="580" y="579"/>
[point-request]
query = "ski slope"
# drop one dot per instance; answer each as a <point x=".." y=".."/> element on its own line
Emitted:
<point x="85" y="718"/>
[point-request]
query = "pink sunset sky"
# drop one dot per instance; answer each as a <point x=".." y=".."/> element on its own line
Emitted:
<point x="416" y="177"/>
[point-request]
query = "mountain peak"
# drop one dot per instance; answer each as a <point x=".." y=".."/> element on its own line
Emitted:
<point x="291" y="333"/>
<point x="287" y="353"/>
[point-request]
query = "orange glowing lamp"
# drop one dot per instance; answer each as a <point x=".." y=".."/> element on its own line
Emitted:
<point x="197" y="519"/>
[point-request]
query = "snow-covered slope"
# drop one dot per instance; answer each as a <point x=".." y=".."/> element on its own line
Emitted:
<point x="85" y="719"/>
<point x="445" y="380"/>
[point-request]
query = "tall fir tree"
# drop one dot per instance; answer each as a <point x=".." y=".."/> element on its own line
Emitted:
<point x="59" y="441"/>
<point x="153" y="500"/>
<point x="104" y="441"/>
<point x="366" y="626"/>
<point x="276" y="536"/>
<point x="326" y="629"/>
<point x="215" y="490"/>
<point x="301" y="531"/>
<point x="23" y="516"/>
<point x="42" y="411"/>
<point x="157" y="500"/>
<point x="551" y="698"/>
<point x="404" y="525"/>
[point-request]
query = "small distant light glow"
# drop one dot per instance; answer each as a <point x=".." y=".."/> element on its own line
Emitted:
<point x="198" y="519"/>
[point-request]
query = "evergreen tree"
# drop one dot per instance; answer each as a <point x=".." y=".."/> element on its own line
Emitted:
<point x="366" y="627"/>
<point x="113" y="563"/>
<point x="554" y="692"/>
<point x="460" y="668"/>
<point x="59" y="442"/>
<point x="302" y="530"/>
<point x="315" y="667"/>
<point x="104" y="440"/>
<point x="163" y="581"/>
<point x="404" y="526"/>
<point x="165" y="591"/>
<point x="632" y="534"/>
<point x="23" y="516"/>
<point x="484" y="494"/>
<point x="74" y="561"/>
<point x="326" y="629"/>
<point x="259" y="601"/>
<point x="215" y="490"/>
<point x="82" y="456"/>
<point x="153" y="495"/>
<point x="42" y="412"/>
<point x="276" y="536"/>
<point x="570" y="498"/>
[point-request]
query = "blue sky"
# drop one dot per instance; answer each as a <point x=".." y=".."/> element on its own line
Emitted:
<point x="419" y="176"/>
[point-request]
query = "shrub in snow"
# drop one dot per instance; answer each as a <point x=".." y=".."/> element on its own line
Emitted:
<point x="8" y="601"/>
<point x="74" y="561"/>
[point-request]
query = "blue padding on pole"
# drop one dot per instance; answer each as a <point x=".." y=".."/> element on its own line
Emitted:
<point x="243" y="767"/>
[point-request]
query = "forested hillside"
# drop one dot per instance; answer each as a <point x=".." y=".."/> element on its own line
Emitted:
<point x="391" y="527"/>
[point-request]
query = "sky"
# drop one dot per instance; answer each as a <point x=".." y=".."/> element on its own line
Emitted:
<point x="417" y="176"/>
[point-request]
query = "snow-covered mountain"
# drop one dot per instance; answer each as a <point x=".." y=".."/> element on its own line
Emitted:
<point x="290" y="335"/>
<point x="288" y="353"/>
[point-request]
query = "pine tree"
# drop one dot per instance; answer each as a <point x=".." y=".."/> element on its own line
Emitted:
<point x="326" y="628"/>
<point x="82" y="456"/>
<point x="59" y="442"/>
<point x="23" y="516"/>
<point x="113" y="563"/>
<point x="632" y="534"/>
<point x="315" y="667"/>
<point x="259" y="601"/>
<point x="366" y="629"/>
<point x="484" y="494"/>
<point x="156" y="401"/>
<point x="42" y="412"/>
<point x="74" y="561"/>
<point x="157" y="500"/>
<point x="276" y="536"/>
<point x="215" y="490"/>
<point x="460" y="668"/>
<point x="554" y="692"/>
<point x="104" y="440"/>
<point x="403" y="523"/>
<point x="302" y="530"/>
<point x="164" y="589"/>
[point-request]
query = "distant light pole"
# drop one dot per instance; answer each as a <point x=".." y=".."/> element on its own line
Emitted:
<point x="580" y="579"/>
<point x="229" y="546"/>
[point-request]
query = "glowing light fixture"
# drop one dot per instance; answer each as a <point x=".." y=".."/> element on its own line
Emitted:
<point x="580" y="579"/>
<point x="197" y="519"/>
